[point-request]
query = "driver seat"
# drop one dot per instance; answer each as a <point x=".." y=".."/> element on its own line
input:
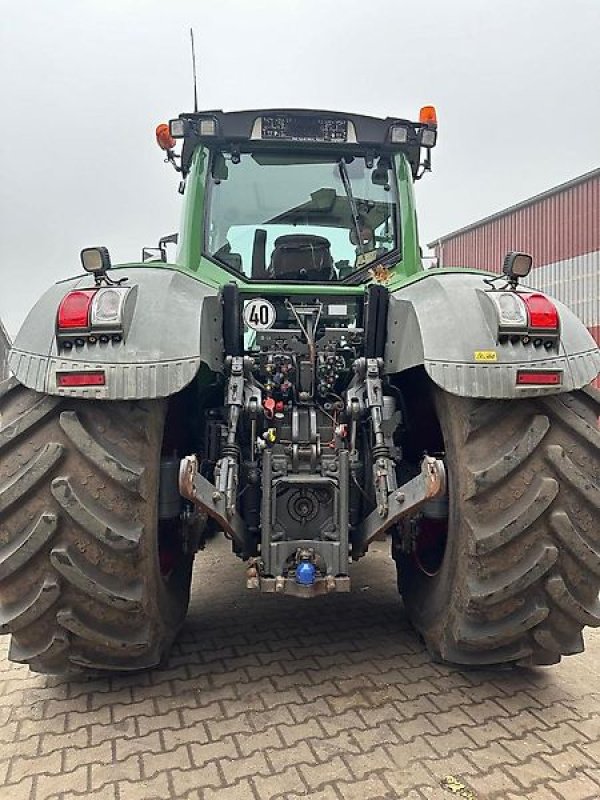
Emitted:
<point x="301" y="257"/>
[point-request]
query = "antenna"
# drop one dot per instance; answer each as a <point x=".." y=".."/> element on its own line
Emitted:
<point x="194" y="71"/>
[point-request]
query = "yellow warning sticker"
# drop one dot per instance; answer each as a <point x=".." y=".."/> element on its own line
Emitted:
<point x="486" y="355"/>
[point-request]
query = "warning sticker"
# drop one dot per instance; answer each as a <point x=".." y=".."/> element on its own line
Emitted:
<point x="485" y="355"/>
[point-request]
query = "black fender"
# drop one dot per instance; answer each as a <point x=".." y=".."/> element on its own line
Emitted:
<point x="173" y="325"/>
<point x="446" y="323"/>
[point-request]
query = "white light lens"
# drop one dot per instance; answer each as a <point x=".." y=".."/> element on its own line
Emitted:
<point x="428" y="137"/>
<point x="512" y="311"/>
<point x="399" y="134"/>
<point x="107" y="306"/>
<point x="208" y="127"/>
<point x="177" y="128"/>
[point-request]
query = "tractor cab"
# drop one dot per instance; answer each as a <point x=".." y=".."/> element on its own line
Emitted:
<point x="300" y="196"/>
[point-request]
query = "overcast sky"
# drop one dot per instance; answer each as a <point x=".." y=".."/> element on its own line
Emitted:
<point x="84" y="83"/>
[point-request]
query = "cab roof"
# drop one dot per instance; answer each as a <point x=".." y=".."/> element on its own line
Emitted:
<point x="298" y="129"/>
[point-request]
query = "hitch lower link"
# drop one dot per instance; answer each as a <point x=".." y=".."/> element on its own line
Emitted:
<point x="219" y="499"/>
<point x="392" y="501"/>
<point x="406" y="499"/>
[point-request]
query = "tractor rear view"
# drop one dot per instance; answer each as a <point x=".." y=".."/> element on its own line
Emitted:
<point x="294" y="379"/>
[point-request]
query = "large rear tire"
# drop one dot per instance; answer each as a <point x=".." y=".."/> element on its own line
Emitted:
<point x="81" y="585"/>
<point x="520" y="573"/>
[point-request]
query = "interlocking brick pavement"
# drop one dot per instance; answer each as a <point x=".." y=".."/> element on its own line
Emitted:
<point x="269" y="698"/>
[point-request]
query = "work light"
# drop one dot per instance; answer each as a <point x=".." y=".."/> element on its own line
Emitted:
<point x="517" y="265"/>
<point x="95" y="259"/>
<point x="207" y="127"/>
<point x="399" y="134"/>
<point x="428" y="137"/>
<point x="177" y="128"/>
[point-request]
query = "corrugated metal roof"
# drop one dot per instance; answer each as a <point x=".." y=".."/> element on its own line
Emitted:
<point x="523" y="204"/>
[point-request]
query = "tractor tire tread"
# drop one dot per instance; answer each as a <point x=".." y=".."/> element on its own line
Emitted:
<point x="80" y="585"/>
<point x="528" y="572"/>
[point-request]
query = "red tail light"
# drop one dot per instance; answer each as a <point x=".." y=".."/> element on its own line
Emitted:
<point x="74" y="309"/>
<point x="542" y="312"/>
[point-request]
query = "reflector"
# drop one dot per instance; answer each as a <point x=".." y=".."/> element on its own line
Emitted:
<point x="91" y="378"/>
<point x="539" y="377"/>
<point x="74" y="310"/>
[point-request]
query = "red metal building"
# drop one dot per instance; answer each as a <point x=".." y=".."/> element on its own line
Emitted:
<point x="561" y="230"/>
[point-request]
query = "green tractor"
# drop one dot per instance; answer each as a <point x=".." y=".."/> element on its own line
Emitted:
<point x="295" y="379"/>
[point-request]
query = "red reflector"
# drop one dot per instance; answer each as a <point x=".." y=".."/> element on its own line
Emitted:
<point x="74" y="309"/>
<point x="81" y="378"/>
<point x="542" y="311"/>
<point x="541" y="377"/>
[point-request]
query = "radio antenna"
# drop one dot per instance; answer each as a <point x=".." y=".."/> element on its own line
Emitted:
<point x="194" y="71"/>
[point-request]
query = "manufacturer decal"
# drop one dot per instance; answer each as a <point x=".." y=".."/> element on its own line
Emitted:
<point x="485" y="355"/>
<point x="259" y="314"/>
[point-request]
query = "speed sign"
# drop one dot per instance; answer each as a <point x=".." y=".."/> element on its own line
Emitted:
<point x="259" y="314"/>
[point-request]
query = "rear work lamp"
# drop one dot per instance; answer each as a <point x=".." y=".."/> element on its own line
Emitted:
<point x="517" y="265"/>
<point x="428" y="137"/>
<point x="95" y="260"/>
<point x="207" y="126"/>
<point x="399" y="134"/>
<point x="177" y="128"/>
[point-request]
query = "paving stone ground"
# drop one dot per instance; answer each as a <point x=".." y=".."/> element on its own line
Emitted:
<point x="269" y="698"/>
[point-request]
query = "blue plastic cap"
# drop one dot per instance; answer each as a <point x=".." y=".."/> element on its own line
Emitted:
<point x="306" y="573"/>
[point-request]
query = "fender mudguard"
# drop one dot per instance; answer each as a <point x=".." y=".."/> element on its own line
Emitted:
<point x="446" y="323"/>
<point x="173" y="325"/>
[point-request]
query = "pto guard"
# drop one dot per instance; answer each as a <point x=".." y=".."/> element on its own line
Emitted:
<point x="173" y="326"/>
<point x="445" y="323"/>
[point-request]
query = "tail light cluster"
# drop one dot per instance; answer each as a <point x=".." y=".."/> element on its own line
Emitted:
<point x="528" y="317"/>
<point x="91" y="316"/>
